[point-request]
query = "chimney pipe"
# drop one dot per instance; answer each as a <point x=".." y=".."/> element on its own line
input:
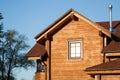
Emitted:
<point x="110" y="8"/>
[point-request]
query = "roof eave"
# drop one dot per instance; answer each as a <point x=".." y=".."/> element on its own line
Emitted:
<point x="56" y="21"/>
<point x="66" y="16"/>
<point x="97" y="26"/>
<point x="34" y="58"/>
<point x="103" y="72"/>
<point x="108" y="69"/>
<point x="111" y="51"/>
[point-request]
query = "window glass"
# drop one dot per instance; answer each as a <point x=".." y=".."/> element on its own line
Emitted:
<point x="72" y="50"/>
<point x="75" y="48"/>
<point x="72" y="55"/>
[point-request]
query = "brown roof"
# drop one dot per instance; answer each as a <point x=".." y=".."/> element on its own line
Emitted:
<point x="114" y="45"/>
<point x="36" y="51"/>
<point x="112" y="65"/>
<point x="106" y="24"/>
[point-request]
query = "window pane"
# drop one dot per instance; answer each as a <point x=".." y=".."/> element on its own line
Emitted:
<point x="72" y="55"/>
<point x="77" y="44"/>
<point x="72" y="44"/>
<point x="72" y="49"/>
<point x="77" y="55"/>
<point x="77" y="50"/>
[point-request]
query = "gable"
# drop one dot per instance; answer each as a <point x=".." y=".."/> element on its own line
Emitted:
<point x="76" y="29"/>
<point x="66" y="18"/>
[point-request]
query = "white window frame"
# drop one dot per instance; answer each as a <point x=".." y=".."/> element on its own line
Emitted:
<point x="75" y="48"/>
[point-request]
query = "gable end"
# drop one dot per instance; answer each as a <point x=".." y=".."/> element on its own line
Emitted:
<point x="68" y="16"/>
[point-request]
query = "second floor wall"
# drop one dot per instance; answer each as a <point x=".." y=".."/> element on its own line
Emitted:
<point x="74" y="47"/>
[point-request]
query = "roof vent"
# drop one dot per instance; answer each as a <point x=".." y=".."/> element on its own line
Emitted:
<point x="110" y="8"/>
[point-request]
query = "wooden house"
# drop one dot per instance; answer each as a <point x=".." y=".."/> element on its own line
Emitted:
<point x="76" y="48"/>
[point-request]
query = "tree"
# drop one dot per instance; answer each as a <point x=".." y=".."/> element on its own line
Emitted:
<point x="12" y="47"/>
<point x="1" y="30"/>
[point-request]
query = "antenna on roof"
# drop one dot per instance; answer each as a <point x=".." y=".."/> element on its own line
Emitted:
<point x="110" y="8"/>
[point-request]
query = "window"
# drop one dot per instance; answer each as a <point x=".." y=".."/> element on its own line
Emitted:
<point x="75" y="48"/>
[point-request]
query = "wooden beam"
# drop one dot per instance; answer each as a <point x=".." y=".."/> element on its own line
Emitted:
<point x="55" y="26"/>
<point x="48" y="48"/>
<point x="104" y="72"/>
<point x="97" y="77"/>
<point x="98" y="27"/>
<point x="33" y="58"/>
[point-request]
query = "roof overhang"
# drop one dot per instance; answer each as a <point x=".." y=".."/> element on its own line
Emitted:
<point x="65" y="18"/>
<point x="36" y="52"/>
<point x="103" y="72"/>
<point x="112" y="67"/>
<point x="95" y="25"/>
<point x="112" y="47"/>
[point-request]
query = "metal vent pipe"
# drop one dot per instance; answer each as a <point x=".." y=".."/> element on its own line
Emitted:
<point x="110" y="8"/>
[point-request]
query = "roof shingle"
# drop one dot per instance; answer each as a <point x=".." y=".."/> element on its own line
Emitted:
<point x="112" y="65"/>
<point x="114" y="45"/>
<point x="36" y="51"/>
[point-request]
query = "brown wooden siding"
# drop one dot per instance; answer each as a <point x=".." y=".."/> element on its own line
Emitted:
<point x="63" y="68"/>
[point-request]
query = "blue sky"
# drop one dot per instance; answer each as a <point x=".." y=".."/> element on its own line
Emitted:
<point x="29" y="17"/>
